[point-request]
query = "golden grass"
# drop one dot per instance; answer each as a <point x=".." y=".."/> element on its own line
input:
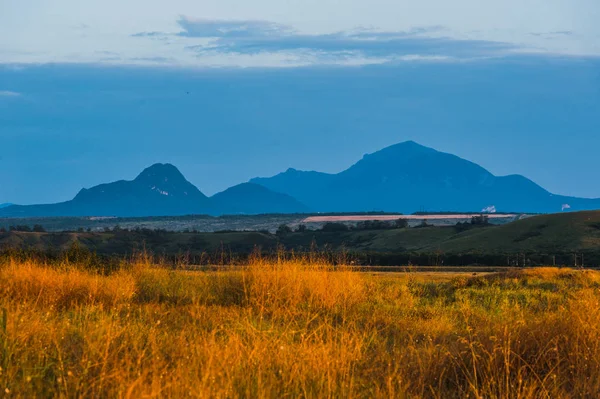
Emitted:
<point x="296" y="328"/>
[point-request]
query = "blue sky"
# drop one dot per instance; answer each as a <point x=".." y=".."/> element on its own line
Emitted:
<point x="227" y="90"/>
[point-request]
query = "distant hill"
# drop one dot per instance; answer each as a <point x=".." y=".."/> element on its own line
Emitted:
<point x="159" y="190"/>
<point x="5" y="205"/>
<point x="409" y="177"/>
<point x="252" y="199"/>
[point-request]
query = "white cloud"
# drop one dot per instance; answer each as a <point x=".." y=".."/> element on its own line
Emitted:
<point x="8" y="93"/>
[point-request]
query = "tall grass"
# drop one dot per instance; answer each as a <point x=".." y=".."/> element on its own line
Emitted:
<point x="295" y="328"/>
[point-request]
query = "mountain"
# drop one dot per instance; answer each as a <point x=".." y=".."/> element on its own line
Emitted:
<point x="159" y="190"/>
<point x="405" y="177"/>
<point x="250" y="198"/>
<point x="409" y="177"/>
<point x="5" y="205"/>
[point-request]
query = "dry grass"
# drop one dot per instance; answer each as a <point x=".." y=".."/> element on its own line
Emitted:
<point x="296" y="329"/>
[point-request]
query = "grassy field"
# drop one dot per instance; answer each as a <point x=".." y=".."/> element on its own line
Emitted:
<point x="296" y="328"/>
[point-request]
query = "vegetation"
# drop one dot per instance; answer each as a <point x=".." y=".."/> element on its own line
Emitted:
<point x="571" y="239"/>
<point x="202" y="223"/>
<point x="294" y="328"/>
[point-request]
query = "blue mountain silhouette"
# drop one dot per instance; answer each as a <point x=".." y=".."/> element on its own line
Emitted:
<point x="409" y="177"/>
<point x="405" y="177"/>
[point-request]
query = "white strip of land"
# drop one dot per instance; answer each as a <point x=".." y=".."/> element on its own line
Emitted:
<point x="360" y="218"/>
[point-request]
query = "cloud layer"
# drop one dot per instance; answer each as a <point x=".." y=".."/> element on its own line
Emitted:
<point x="257" y="37"/>
<point x="233" y="33"/>
<point x="265" y="42"/>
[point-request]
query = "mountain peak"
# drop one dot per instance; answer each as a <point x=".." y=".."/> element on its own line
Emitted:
<point x="406" y="147"/>
<point x="160" y="172"/>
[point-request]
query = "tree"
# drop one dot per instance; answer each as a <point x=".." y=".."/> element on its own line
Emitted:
<point x="480" y="220"/>
<point x="38" y="228"/>
<point x="423" y="224"/>
<point x="301" y="228"/>
<point x="401" y="223"/>
<point x="283" y="230"/>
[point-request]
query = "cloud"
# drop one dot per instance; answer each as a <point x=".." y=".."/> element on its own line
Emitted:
<point x="231" y="29"/>
<point x="149" y="34"/>
<point x="261" y="37"/>
<point x="563" y="33"/>
<point x="8" y="93"/>
<point x="216" y="42"/>
<point x="156" y="60"/>
<point x="374" y="44"/>
<point x="553" y="34"/>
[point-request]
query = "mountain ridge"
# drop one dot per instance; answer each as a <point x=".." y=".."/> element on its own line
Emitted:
<point x="405" y="177"/>
<point x="161" y="190"/>
<point x="151" y="193"/>
<point x="408" y="177"/>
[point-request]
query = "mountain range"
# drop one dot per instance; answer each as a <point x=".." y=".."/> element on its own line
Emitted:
<point x="409" y="177"/>
<point x="405" y="177"/>
<point x="161" y="190"/>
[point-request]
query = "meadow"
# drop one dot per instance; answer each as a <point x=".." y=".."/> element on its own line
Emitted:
<point x="295" y="327"/>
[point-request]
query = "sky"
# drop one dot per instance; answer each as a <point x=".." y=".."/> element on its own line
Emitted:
<point x="226" y="90"/>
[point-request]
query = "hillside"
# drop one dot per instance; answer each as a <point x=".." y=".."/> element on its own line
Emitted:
<point x="408" y="177"/>
<point x="568" y="232"/>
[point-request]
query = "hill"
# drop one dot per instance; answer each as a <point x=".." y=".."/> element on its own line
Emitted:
<point x="409" y="177"/>
<point x="253" y="199"/>
<point x="5" y="205"/>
